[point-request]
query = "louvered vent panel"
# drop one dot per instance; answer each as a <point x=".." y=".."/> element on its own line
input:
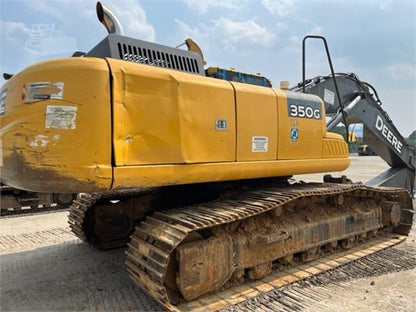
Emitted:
<point x="157" y="58"/>
<point x="143" y="52"/>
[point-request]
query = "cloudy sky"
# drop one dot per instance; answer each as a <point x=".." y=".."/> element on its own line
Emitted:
<point x="374" y="39"/>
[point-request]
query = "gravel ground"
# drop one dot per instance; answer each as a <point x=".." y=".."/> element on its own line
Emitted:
<point x="45" y="268"/>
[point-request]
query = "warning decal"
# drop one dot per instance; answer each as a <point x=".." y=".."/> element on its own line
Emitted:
<point x="329" y="97"/>
<point x="61" y="117"/>
<point x="259" y="144"/>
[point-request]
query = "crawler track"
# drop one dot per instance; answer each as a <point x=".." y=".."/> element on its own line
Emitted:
<point x="106" y="219"/>
<point x="323" y="219"/>
<point x="285" y="290"/>
<point x="77" y="213"/>
<point x="155" y="242"/>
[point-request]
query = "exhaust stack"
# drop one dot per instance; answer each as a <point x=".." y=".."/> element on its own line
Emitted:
<point x="109" y="20"/>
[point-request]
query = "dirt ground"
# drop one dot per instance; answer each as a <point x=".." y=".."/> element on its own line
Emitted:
<point x="45" y="268"/>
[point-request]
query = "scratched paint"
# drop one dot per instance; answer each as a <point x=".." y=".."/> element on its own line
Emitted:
<point x="41" y="140"/>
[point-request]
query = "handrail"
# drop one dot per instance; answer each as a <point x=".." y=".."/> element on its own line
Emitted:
<point x="332" y="73"/>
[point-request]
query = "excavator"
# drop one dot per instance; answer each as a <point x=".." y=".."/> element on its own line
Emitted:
<point x="191" y="167"/>
<point x="14" y="201"/>
<point x="364" y="150"/>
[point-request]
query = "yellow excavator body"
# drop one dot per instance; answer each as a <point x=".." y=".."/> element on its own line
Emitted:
<point x="91" y="124"/>
<point x="58" y="139"/>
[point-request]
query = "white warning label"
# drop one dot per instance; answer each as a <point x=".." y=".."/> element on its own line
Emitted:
<point x="329" y="97"/>
<point x="61" y="117"/>
<point x="259" y="144"/>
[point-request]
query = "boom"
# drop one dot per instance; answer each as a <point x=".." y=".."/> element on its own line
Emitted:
<point x="361" y="104"/>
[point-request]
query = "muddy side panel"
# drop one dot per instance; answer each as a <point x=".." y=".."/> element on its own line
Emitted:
<point x="55" y="127"/>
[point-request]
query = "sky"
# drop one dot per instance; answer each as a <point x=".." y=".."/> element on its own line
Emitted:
<point x="375" y="39"/>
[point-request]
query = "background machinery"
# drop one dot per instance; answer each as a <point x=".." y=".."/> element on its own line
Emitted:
<point x="365" y="150"/>
<point x="16" y="201"/>
<point x="191" y="167"/>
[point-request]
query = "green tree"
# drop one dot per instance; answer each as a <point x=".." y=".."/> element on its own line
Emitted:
<point x="412" y="139"/>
